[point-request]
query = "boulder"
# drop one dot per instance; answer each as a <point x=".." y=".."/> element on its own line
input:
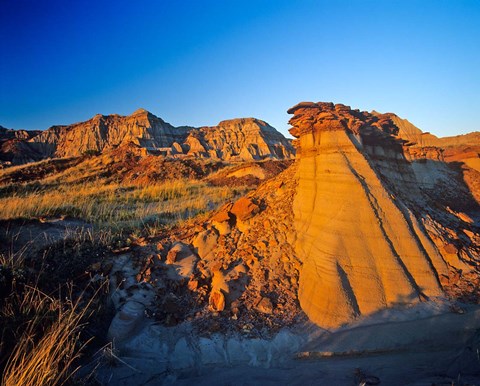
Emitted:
<point x="265" y="306"/>
<point x="182" y="258"/>
<point x="205" y="243"/>
<point x="244" y="209"/>
<point x="222" y="221"/>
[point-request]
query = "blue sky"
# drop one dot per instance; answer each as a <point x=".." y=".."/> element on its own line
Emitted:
<point x="199" y="62"/>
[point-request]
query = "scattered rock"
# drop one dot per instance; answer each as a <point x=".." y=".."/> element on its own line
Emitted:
<point x="205" y="243"/>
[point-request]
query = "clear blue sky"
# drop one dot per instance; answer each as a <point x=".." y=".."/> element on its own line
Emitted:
<point x="199" y="62"/>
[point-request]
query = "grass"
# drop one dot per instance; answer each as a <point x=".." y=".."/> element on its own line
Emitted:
<point x="40" y="341"/>
<point x="47" y="359"/>
<point x="113" y="203"/>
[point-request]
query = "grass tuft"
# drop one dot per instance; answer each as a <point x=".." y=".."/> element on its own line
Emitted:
<point x="45" y="356"/>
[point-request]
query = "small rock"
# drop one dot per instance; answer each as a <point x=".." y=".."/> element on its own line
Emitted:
<point x="450" y="249"/>
<point x="265" y="306"/>
<point x="216" y="302"/>
<point x="245" y="209"/>
<point x="172" y="255"/>
<point x="192" y="285"/>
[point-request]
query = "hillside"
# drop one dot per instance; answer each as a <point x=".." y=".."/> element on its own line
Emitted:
<point x="235" y="140"/>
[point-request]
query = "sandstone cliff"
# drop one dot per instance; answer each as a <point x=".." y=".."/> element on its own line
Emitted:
<point x="246" y="138"/>
<point x="236" y="139"/>
<point x="361" y="215"/>
<point x="106" y="132"/>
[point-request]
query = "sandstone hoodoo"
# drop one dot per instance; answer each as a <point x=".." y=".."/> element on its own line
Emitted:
<point x="370" y="227"/>
<point x="235" y="139"/>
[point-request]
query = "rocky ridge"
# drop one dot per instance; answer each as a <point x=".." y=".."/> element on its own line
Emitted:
<point x="13" y="149"/>
<point x="236" y="139"/>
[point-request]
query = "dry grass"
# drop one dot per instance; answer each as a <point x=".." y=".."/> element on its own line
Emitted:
<point x="113" y="203"/>
<point x="40" y="333"/>
<point x="40" y="341"/>
<point x="47" y="360"/>
<point x="44" y="356"/>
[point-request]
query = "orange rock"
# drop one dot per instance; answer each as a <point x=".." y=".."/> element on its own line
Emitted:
<point x="216" y="301"/>
<point x="193" y="285"/>
<point x="265" y="306"/>
<point x="450" y="248"/>
<point x="348" y="271"/>
<point x="245" y="208"/>
<point x="221" y="216"/>
<point x="172" y="255"/>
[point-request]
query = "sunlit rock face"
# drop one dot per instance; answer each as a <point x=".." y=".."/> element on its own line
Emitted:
<point x="235" y="139"/>
<point x="361" y="247"/>
<point x="104" y="132"/>
<point x="241" y="139"/>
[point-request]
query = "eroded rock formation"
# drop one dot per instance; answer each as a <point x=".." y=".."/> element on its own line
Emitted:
<point x="362" y="221"/>
<point x="13" y="148"/>
<point x="236" y="139"/>
<point x="361" y="214"/>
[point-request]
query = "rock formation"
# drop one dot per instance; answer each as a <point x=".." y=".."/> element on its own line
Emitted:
<point x="236" y="139"/>
<point x="13" y="148"/>
<point x="362" y="221"/>
<point x="361" y="233"/>
<point x="246" y="138"/>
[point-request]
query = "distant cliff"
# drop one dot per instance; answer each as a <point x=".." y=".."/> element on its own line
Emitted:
<point x="236" y="139"/>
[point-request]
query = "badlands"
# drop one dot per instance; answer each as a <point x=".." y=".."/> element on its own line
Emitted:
<point x="348" y="256"/>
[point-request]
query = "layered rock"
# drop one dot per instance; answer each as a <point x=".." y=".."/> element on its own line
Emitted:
<point x="245" y="139"/>
<point x="357" y="216"/>
<point x="14" y="149"/>
<point x="106" y="132"/>
<point x="237" y="139"/>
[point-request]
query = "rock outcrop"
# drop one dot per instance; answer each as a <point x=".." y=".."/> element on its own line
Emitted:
<point x="241" y="139"/>
<point x="236" y="139"/>
<point x="107" y="132"/>
<point x="361" y="216"/>
<point x="14" y="149"/>
<point x="359" y="223"/>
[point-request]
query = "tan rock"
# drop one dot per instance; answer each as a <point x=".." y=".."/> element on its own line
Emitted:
<point x="239" y="139"/>
<point x="380" y="261"/>
<point x="216" y="301"/>
<point x="245" y="139"/>
<point x="182" y="257"/>
<point x="205" y="243"/>
<point x="245" y="209"/>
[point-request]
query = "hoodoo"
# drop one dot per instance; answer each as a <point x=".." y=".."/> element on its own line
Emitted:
<point x="362" y="242"/>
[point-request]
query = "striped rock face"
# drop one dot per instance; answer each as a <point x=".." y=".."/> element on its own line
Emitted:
<point x="360" y="234"/>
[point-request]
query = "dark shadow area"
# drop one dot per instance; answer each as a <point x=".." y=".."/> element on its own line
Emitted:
<point x="347" y="287"/>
